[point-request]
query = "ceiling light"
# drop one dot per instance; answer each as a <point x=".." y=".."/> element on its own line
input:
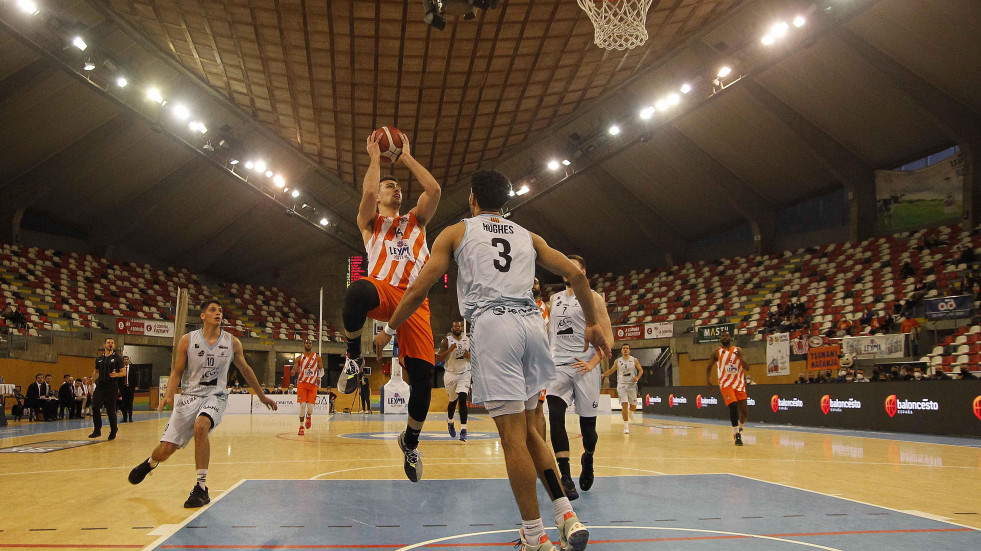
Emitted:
<point x="154" y="94"/>
<point x="724" y="71"/>
<point x="674" y="99"/>
<point x="233" y="162"/>
<point x="799" y="21"/>
<point x="524" y="189"/>
<point x="181" y="111"/>
<point x="323" y="221"/>
<point x="260" y="166"/>
<point x="249" y="165"/>
<point x="779" y="29"/>
<point x="647" y="112"/>
<point x="79" y="43"/>
<point x="767" y="40"/>
<point x="553" y="165"/>
<point x="27" y="6"/>
<point x="88" y="66"/>
<point x="269" y="174"/>
<point x="198" y="126"/>
<point x="121" y="82"/>
<point x="661" y="105"/>
<point x="296" y="193"/>
<point x="566" y="162"/>
<point x="685" y="88"/>
<point x="279" y="180"/>
<point x="511" y="193"/>
<point x="614" y="130"/>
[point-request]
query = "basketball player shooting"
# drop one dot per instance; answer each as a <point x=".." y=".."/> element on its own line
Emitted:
<point x="732" y="382"/>
<point x="397" y="251"/>
<point x="509" y="353"/>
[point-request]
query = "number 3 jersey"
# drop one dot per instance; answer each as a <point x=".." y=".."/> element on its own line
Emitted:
<point x="496" y="258"/>
<point x="207" y="366"/>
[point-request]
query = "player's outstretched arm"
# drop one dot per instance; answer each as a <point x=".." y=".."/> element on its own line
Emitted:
<point x="708" y="369"/>
<point x="180" y="364"/>
<point x="249" y="375"/>
<point x="444" y="350"/>
<point x="557" y="263"/>
<point x="429" y="200"/>
<point x="369" y="192"/>
<point x="439" y="261"/>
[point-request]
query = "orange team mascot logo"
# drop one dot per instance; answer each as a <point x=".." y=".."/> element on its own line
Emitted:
<point x="775" y="403"/>
<point x="698" y="401"/>
<point x="825" y="404"/>
<point x="977" y="407"/>
<point x="892" y="406"/>
<point x="670" y="400"/>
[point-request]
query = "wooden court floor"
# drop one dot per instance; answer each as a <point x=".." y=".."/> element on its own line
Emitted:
<point x="79" y="498"/>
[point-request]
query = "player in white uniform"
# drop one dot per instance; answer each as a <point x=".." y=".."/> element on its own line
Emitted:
<point x="508" y="350"/>
<point x="576" y="380"/>
<point x="629" y="371"/>
<point x="454" y="351"/>
<point x="203" y="358"/>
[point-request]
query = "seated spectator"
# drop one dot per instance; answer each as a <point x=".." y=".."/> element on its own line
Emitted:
<point x="66" y="398"/>
<point x="14" y="317"/>
<point x="79" y="392"/>
<point x="802" y="380"/>
<point x="940" y="375"/>
<point x="32" y="398"/>
<point x="860" y="377"/>
<point x="844" y="326"/>
<point x="867" y="316"/>
<point x="966" y="374"/>
<point x="967" y="255"/>
<point x="917" y="374"/>
<point x="907" y="270"/>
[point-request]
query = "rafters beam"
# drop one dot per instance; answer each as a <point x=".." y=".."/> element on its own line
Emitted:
<point x="206" y="252"/>
<point x="849" y="169"/>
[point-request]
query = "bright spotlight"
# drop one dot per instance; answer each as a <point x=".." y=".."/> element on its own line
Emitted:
<point x="685" y="88"/>
<point x="511" y="193"/>
<point x="614" y="130"/>
<point x="269" y="174"/>
<point x="260" y="166"/>
<point x="779" y="29"/>
<point x="566" y="162"/>
<point x="28" y="7"/>
<point x="323" y="221"/>
<point x="249" y="165"/>
<point x="799" y="21"/>
<point x="121" y="82"/>
<point x="79" y="43"/>
<point x="279" y="180"/>
<point x="724" y="71"/>
<point x="89" y="66"/>
<point x="647" y="112"/>
<point x="661" y="105"/>
<point x="553" y="165"/>
<point x="198" y="126"/>
<point x="296" y="193"/>
<point x="767" y="40"/>
<point x="154" y="94"/>
<point x="181" y="111"/>
<point x="233" y="162"/>
<point x="524" y="189"/>
<point x="674" y="99"/>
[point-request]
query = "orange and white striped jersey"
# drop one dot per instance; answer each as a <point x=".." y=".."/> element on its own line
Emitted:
<point x="308" y="367"/>
<point x="397" y="250"/>
<point x="543" y="308"/>
<point x="730" y="369"/>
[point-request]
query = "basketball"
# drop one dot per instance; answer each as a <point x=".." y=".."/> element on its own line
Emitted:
<point x="389" y="142"/>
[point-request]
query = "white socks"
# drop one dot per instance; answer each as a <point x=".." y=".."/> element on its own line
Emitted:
<point x="533" y="530"/>
<point x="560" y="507"/>
<point x="202" y="478"/>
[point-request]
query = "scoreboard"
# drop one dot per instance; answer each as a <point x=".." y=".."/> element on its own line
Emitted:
<point x="357" y="268"/>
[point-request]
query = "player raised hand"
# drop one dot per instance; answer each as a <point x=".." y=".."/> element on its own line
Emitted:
<point x="595" y="338"/>
<point x="406" y="149"/>
<point x="372" y="147"/>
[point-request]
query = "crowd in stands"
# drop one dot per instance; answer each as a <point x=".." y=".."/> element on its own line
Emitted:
<point x="892" y="373"/>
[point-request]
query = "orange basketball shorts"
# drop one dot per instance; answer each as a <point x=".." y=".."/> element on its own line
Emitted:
<point x="306" y="393"/>
<point x="415" y="335"/>
<point x="731" y="395"/>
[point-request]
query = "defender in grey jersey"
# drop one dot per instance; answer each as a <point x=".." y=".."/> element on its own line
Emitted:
<point x="629" y="371"/>
<point x="454" y="352"/>
<point x="203" y="359"/>
<point x="509" y="354"/>
<point x="577" y="382"/>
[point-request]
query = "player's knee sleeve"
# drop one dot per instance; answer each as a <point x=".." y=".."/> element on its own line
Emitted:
<point x="587" y="425"/>
<point x="556" y="420"/>
<point x="734" y="413"/>
<point x="462" y="399"/>
<point x="361" y="297"/>
<point x="450" y="408"/>
<point x="420" y="385"/>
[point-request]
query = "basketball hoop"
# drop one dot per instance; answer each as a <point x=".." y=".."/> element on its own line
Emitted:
<point x="617" y="24"/>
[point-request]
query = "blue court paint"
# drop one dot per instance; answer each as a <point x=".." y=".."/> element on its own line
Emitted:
<point x="627" y="513"/>
<point x="426" y="435"/>
<point x="964" y="441"/>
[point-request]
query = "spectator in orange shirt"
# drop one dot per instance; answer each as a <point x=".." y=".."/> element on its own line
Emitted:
<point x="844" y="326"/>
<point x="911" y="326"/>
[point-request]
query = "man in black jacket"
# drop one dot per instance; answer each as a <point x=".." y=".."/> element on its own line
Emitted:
<point x="34" y="392"/>
<point x="66" y="398"/>
<point x="109" y="369"/>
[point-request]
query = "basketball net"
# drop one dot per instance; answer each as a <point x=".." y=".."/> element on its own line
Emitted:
<point x="617" y="24"/>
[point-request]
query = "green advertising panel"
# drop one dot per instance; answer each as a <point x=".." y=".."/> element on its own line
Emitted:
<point x="710" y="333"/>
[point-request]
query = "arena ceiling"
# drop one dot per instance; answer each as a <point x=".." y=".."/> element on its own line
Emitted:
<point x="301" y="84"/>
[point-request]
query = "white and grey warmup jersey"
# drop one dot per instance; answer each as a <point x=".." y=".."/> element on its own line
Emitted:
<point x="497" y="265"/>
<point x="207" y="366"/>
<point x="566" y="329"/>
<point x="626" y="371"/>
<point x="455" y="362"/>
